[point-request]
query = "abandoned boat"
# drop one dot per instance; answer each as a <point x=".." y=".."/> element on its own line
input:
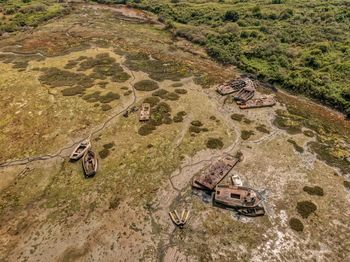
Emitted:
<point x="80" y="150"/>
<point x="247" y="92"/>
<point x="90" y="163"/>
<point x="145" y="112"/>
<point x="237" y="196"/>
<point x="230" y="87"/>
<point x="211" y="176"/>
<point x="251" y="212"/>
<point x="258" y="102"/>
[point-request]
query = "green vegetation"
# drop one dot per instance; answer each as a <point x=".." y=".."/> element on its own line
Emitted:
<point x="16" y="14"/>
<point x="237" y="117"/>
<point x="179" y="116"/>
<point x="306" y="208"/>
<point x="246" y="134"/>
<point x="309" y="133"/>
<point x="97" y="97"/>
<point x="181" y="91"/>
<point x="55" y="77"/>
<point x="152" y="100"/>
<point x="296" y="146"/>
<point x="346" y="184"/>
<point x="262" y="129"/>
<point x="214" y="143"/>
<point x="146" y="129"/>
<point x="146" y="85"/>
<point x="156" y="69"/>
<point x="300" y="45"/>
<point x="296" y="224"/>
<point x="196" y="123"/>
<point x="316" y="190"/>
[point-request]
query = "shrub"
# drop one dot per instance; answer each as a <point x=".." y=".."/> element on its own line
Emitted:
<point x="245" y="134"/>
<point x="214" y="143"/>
<point x="146" y="129"/>
<point x="237" y="117"/>
<point x="316" y="190"/>
<point x="306" y="208"/>
<point x="196" y="123"/>
<point x="296" y="224"/>
<point x="231" y="15"/>
<point x="146" y="85"/>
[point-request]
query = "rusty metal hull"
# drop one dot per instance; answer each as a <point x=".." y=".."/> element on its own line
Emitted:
<point x="237" y="196"/>
<point x="145" y="112"/>
<point x="211" y="176"/>
<point x="258" y="103"/>
<point x="230" y="87"/>
<point x="90" y="163"/>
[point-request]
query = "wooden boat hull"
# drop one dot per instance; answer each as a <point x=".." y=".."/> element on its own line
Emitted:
<point x="80" y="150"/>
<point x="145" y="112"/>
<point x="258" y="103"/>
<point x="90" y="163"/>
<point x="251" y="212"/>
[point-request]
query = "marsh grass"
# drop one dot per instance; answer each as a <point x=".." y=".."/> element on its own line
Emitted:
<point x="146" y="85"/>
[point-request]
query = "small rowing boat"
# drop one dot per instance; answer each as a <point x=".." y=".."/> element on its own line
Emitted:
<point x="80" y="150"/>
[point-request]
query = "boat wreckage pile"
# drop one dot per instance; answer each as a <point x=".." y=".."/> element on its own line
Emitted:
<point x="243" y="91"/>
<point x="244" y="200"/>
<point x="90" y="162"/>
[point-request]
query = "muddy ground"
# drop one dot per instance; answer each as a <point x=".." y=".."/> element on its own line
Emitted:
<point x="74" y="77"/>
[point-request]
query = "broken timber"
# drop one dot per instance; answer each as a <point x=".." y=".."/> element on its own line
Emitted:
<point x="247" y="92"/>
<point x="211" y="176"/>
<point x="258" y="103"/>
<point x="80" y="150"/>
<point x="90" y="163"/>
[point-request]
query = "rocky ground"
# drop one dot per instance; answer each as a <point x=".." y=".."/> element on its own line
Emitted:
<point x="73" y="78"/>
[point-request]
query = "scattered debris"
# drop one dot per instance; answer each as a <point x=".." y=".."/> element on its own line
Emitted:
<point x="211" y="176"/>
<point x="126" y="113"/>
<point x="134" y="109"/>
<point x="251" y="212"/>
<point x="230" y="87"/>
<point x="145" y="113"/>
<point x="90" y="163"/>
<point x="237" y="196"/>
<point x="80" y="150"/>
<point x="236" y="180"/>
<point x="179" y="221"/>
<point x="247" y="92"/>
<point x="258" y="103"/>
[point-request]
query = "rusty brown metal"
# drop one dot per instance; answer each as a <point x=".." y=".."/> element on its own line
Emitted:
<point x="258" y="103"/>
<point x="230" y="87"/>
<point x="247" y="92"/>
<point x="237" y="196"/>
<point x="251" y="212"/>
<point x="211" y="176"/>
<point x="145" y="112"/>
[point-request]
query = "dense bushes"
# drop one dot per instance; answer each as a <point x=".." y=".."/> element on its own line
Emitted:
<point x="302" y="48"/>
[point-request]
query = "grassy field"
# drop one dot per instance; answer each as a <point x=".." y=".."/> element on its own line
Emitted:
<point x="300" y="45"/>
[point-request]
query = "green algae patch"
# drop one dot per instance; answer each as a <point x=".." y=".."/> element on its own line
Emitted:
<point x="179" y="116"/>
<point x="106" y="107"/>
<point x="306" y="208"/>
<point x="296" y="224"/>
<point x="161" y="114"/>
<point x="214" y="143"/>
<point x="181" y="91"/>
<point x="346" y="184"/>
<point x="314" y="191"/>
<point x="146" y="129"/>
<point x="104" y="153"/>
<point x="156" y="69"/>
<point x="288" y="122"/>
<point x="296" y="146"/>
<point x="152" y="100"/>
<point x="237" y="117"/>
<point x="146" y="85"/>
<point x="55" y="77"/>
<point x="73" y="91"/>
<point x="333" y="154"/>
<point x="246" y="134"/>
<point x="263" y="129"/>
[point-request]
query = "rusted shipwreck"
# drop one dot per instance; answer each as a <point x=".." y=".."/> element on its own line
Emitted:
<point x="145" y="112"/>
<point x="258" y="103"/>
<point x="90" y="163"/>
<point x="80" y="150"/>
<point x="211" y="176"/>
<point x="237" y="196"/>
<point x="246" y="93"/>
<point x="231" y="86"/>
